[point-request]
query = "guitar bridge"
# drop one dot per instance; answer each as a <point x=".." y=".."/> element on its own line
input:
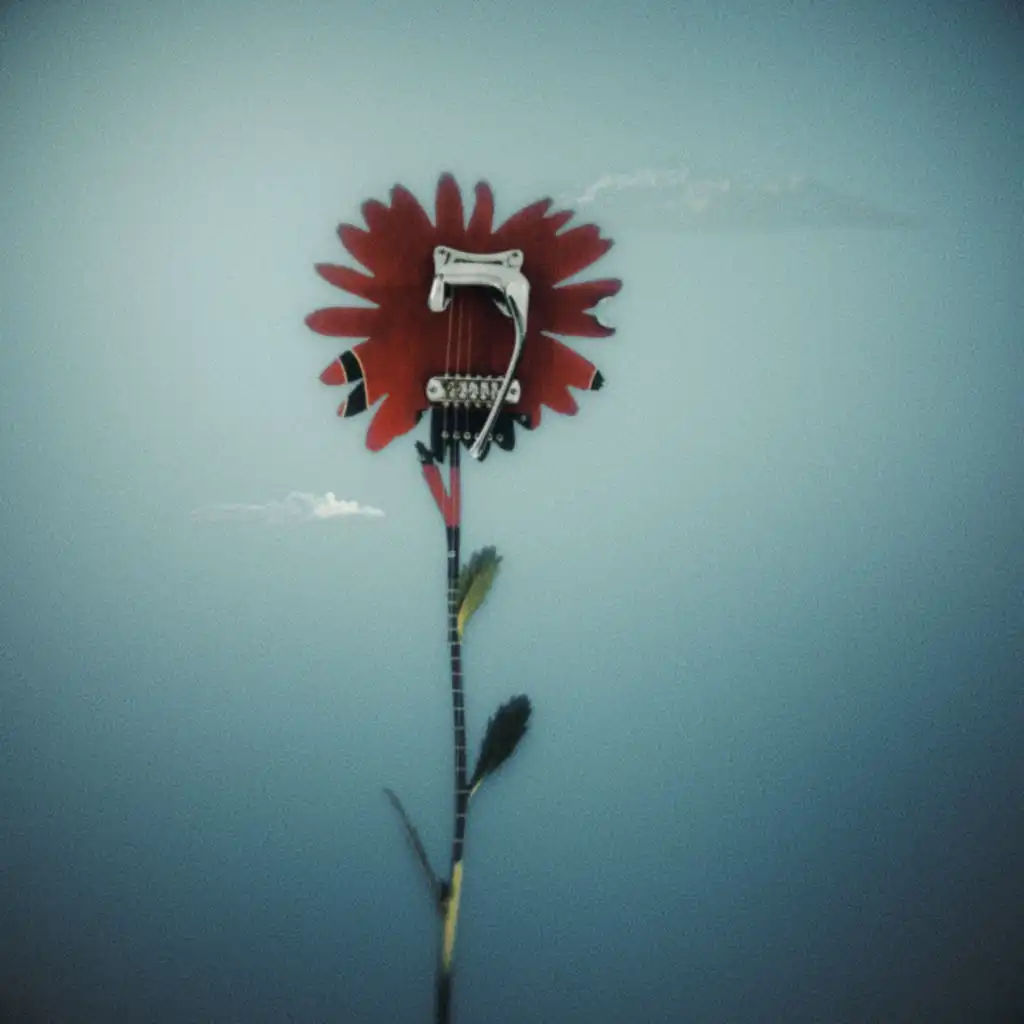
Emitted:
<point x="499" y="272"/>
<point x="468" y="392"/>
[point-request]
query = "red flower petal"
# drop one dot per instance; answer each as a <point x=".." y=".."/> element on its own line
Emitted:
<point x="559" y="399"/>
<point x="334" y="374"/>
<point x="361" y="244"/>
<point x="574" y="322"/>
<point x="349" y="280"/>
<point x="478" y="233"/>
<point x="574" y="250"/>
<point x="376" y="214"/>
<point x="406" y="343"/>
<point x="395" y="417"/>
<point x="555" y="364"/>
<point x="449" y="214"/>
<point x="563" y="310"/>
<point x="415" y="224"/>
<point x="522" y="223"/>
<point x="384" y="371"/>
<point x="587" y="294"/>
<point x="354" y="404"/>
<point x="343" y="321"/>
<point x="560" y="219"/>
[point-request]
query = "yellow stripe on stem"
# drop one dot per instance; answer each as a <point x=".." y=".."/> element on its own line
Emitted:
<point x="451" y="917"/>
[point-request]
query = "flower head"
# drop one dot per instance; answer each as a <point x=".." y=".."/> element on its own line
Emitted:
<point x="407" y="344"/>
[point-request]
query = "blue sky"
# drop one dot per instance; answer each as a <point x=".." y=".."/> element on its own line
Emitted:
<point x="764" y="590"/>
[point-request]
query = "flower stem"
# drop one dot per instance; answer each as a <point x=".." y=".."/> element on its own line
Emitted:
<point x="453" y="892"/>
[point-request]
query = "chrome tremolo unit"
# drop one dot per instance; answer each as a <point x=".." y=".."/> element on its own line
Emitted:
<point x="501" y="272"/>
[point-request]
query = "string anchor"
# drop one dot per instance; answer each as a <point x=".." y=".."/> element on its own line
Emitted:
<point x="501" y="272"/>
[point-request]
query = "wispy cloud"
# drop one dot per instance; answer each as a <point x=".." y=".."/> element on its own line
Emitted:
<point x="683" y="201"/>
<point x="297" y="507"/>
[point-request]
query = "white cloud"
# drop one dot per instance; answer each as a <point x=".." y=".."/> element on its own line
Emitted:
<point x="681" y="201"/>
<point x="297" y="507"/>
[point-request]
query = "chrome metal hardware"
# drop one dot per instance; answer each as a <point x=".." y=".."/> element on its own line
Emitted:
<point x="469" y="392"/>
<point x="500" y="271"/>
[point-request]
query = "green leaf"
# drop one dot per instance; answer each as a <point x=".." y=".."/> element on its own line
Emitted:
<point x="475" y="582"/>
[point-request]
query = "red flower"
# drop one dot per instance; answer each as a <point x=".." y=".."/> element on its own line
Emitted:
<point x="407" y="343"/>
